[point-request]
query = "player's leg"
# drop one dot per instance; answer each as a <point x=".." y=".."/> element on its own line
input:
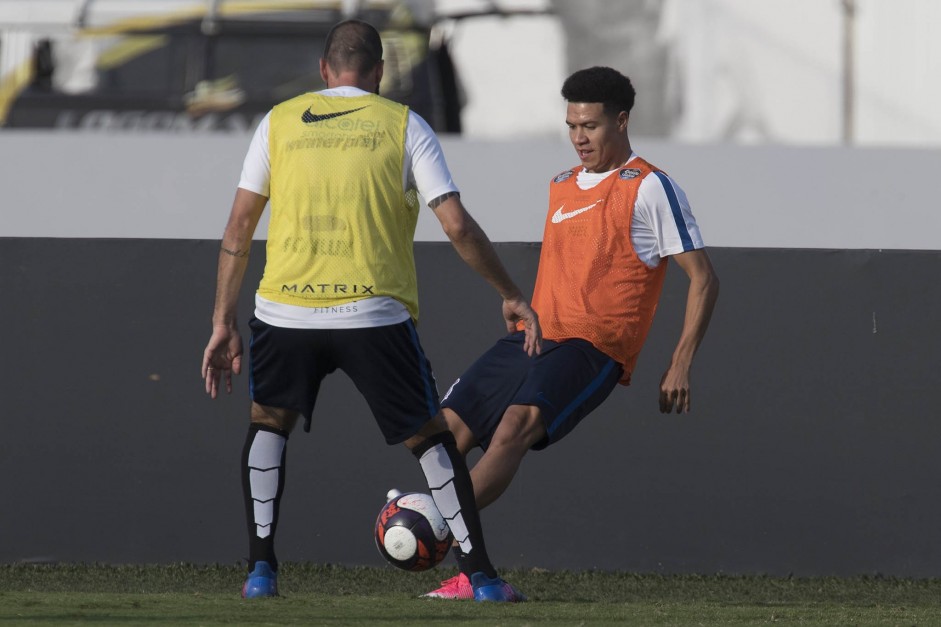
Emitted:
<point x="472" y="408"/>
<point x="558" y="389"/>
<point x="477" y="400"/>
<point x="465" y="441"/>
<point x="462" y="434"/>
<point x="284" y="379"/>
<point x="459" y="586"/>
<point x="484" y="478"/>
<point x="263" y="475"/>
<point x="520" y="427"/>
<point x="389" y="367"/>
<point x="563" y="384"/>
<point x="519" y="430"/>
<point x="561" y="387"/>
<point x="450" y="483"/>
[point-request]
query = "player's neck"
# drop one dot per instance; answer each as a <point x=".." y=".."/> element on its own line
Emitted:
<point x="625" y="155"/>
<point x="614" y="163"/>
<point x="351" y="78"/>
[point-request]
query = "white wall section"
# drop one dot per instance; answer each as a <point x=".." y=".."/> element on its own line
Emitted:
<point x="149" y="185"/>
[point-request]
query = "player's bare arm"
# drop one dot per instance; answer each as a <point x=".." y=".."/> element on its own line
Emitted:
<point x="700" y="302"/>
<point x="223" y="354"/>
<point x="435" y="203"/>
<point x="235" y="253"/>
<point x="475" y="249"/>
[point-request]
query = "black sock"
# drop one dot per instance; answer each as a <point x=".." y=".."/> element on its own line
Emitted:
<point x="263" y="470"/>
<point x="451" y="487"/>
<point x="463" y="561"/>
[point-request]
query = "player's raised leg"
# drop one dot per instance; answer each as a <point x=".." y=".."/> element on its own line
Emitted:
<point x="520" y="428"/>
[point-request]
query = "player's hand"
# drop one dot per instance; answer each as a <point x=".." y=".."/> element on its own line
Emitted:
<point x="674" y="390"/>
<point x="222" y="357"/>
<point x="518" y="310"/>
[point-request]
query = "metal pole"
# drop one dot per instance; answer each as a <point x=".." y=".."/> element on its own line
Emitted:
<point x="210" y="23"/>
<point x="849" y="97"/>
<point x="81" y="16"/>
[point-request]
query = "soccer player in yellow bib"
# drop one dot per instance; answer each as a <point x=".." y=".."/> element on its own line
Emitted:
<point x="342" y="169"/>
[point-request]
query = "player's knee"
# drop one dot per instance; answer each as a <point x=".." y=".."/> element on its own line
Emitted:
<point x="446" y="421"/>
<point x="462" y="434"/>
<point x="274" y="417"/>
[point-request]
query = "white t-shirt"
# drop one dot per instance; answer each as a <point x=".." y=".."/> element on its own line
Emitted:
<point x="425" y="169"/>
<point x="663" y="223"/>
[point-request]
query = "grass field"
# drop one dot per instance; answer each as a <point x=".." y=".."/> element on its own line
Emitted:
<point x="185" y="594"/>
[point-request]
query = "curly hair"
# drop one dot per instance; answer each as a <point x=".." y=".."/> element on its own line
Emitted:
<point x="600" y="84"/>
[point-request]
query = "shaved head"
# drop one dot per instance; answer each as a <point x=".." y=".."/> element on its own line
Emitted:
<point x="354" y="46"/>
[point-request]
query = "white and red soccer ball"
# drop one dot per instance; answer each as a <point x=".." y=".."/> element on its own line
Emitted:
<point x="411" y="533"/>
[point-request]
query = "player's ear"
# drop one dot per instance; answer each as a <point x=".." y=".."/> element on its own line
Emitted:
<point x="323" y="71"/>
<point x="380" y="67"/>
<point x="622" y="120"/>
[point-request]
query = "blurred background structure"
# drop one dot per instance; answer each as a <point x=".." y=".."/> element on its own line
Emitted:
<point x="822" y="72"/>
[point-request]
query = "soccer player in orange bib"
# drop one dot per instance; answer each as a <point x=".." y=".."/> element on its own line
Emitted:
<point x="613" y="223"/>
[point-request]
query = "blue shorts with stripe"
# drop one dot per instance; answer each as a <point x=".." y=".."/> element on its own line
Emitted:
<point x="567" y="381"/>
<point x="387" y="365"/>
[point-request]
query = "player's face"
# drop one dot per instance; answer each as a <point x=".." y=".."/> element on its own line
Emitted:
<point x="599" y="139"/>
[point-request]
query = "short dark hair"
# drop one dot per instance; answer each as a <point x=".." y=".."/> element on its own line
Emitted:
<point x="600" y="84"/>
<point x="353" y="45"/>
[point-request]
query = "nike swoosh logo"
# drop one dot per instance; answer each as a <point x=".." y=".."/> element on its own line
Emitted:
<point x="560" y="215"/>
<point x="309" y="118"/>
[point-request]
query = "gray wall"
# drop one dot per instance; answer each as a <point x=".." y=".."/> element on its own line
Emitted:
<point x="811" y="449"/>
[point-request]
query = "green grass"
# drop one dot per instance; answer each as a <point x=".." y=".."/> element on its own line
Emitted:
<point x="182" y="594"/>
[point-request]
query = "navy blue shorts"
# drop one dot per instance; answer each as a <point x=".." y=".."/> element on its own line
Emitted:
<point x="387" y="365"/>
<point x="567" y="381"/>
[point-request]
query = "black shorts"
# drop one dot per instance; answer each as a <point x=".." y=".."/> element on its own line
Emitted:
<point x="567" y="381"/>
<point x="387" y="365"/>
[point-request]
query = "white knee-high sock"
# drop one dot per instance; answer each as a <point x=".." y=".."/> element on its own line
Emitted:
<point x="440" y="476"/>
<point x="451" y="487"/>
<point x="263" y="474"/>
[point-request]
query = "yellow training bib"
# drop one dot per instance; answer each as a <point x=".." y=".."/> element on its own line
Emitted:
<point x="342" y="226"/>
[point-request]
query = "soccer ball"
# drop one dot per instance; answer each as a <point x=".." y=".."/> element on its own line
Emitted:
<point x="411" y="533"/>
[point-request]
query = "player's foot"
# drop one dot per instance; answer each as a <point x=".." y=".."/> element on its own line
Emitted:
<point x="487" y="589"/>
<point x="261" y="582"/>
<point x="458" y="587"/>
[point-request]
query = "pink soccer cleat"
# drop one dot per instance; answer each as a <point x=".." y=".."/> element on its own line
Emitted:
<point x="458" y="587"/>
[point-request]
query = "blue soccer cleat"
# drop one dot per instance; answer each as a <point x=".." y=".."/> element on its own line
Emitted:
<point x="261" y="582"/>
<point x="487" y="589"/>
